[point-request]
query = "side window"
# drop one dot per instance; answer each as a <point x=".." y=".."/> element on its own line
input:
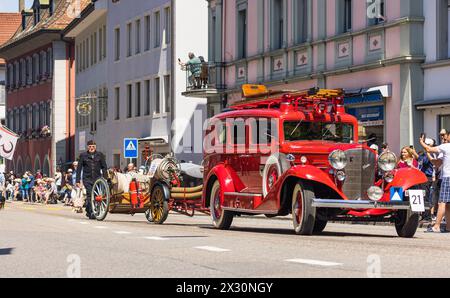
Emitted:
<point x="261" y="131"/>
<point x="222" y="133"/>
<point x="238" y="132"/>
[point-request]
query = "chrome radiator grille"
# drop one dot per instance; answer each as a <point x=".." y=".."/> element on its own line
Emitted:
<point x="360" y="172"/>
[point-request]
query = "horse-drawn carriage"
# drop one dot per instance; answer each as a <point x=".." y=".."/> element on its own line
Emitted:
<point x="165" y="185"/>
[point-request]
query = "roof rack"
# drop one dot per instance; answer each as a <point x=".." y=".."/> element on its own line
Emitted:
<point x="258" y="96"/>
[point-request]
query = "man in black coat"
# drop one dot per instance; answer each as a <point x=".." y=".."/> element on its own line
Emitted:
<point x="93" y="166"/>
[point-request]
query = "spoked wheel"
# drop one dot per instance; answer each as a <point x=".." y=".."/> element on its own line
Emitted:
<point x="100" y="199"/>
<point x="148" y="216"/>
<point x="222" y="219"/>
<point x="159" y="208"/>
<point x="303" y="214"/>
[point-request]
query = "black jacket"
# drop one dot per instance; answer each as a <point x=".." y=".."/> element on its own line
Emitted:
<point x="92" y="165"/>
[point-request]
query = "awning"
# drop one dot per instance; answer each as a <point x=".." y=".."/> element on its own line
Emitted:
<point x="430" y="104"/>
<point x="367" y="95"/>
<point x="371" y="97"/>
<point x="157" y="139"/>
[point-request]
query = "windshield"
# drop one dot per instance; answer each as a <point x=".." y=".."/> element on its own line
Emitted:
<point x="318" y="131"/>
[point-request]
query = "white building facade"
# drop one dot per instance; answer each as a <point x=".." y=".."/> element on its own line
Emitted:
<point x="126" y="56"/>
<point x="436" y="103"/>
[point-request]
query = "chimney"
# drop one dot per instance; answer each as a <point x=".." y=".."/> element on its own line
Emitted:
<point x="21" y="5"/>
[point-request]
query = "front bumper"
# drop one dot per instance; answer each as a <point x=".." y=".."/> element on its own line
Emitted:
<point x="362" y="205"/>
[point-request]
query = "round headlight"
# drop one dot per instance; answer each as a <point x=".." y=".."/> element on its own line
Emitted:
<point x="338" y="159"/>
<point x="340" y="176"/>
<point x="387" y="161"/>
<point x="375" y="193"/>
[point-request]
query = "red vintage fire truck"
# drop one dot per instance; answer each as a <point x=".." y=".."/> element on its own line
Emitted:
<point x="288" y="152"/>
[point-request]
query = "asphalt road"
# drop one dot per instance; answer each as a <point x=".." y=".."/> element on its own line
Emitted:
<point x="51" y="241"/>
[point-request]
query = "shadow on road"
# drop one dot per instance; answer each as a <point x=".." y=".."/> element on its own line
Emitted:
<point x="291" y="232"/>
<point x="6" y="251"/>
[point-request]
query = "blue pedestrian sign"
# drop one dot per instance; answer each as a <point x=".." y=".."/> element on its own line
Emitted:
<point x="130" y="148"/>
<point x="397" y="194"/>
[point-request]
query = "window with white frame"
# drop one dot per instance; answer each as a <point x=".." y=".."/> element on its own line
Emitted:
<point x="117" y="102"/>
<point x="45" y="70"/>
<point x="94" y="51"/>
<point x="50" y="62"/>
<point x="157" y="34"/>
<point x="49" y="113"/>
<point x="100" y="44"/>
<point x="105" y="103"/>
<point x="104" y="42"/>
<point x="138" y="99"/>
<point x="41" y="65"/>
<point x="345" y="16"/>
<point x="167" y="93"/>
<point x="129" y="101"/>
<point x="147" y="32"/>
<point x="91" y="50"/>
<point x="242" y="31"/>
<point x="157" y="88"/>
<point x="117" y="44"/>
<point x="278" y="24"/>
<point x="147" y="96"/>
<point x="138" y="37"/>
<point x="94" y="114"/>
<point x="29" y="70"/>
<point x="16" y="74"/>
<point x="168" y="24"/>
<point x="302" y="21"/>
<point x="88" y="56"/>
<point x="129" y="39"/>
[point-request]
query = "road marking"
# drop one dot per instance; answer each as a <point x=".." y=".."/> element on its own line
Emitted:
<point x="156" y="238"/>
<point x="212" y="248"/>
<point x="82" y="223"/>
<point x="122" y="232"/>
<point x="314" y="262"/>
<point x="101" y="227"/>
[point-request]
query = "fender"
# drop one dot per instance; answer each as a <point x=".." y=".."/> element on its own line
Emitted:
<point x="407" y="178"/>
<point x="229" y="181"/>
<point x="165" y="188"/>
<point x="312" y="173"/>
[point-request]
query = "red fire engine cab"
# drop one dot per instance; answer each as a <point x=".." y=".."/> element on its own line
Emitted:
<point x="281" y="153"/>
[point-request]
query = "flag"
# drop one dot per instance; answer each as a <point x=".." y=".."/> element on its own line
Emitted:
<point x="8" y="141"/>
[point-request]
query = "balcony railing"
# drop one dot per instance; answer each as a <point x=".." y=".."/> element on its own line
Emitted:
<point x="204" y="79"/>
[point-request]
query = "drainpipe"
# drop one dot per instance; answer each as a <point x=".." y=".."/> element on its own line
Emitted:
<point x="173" y="71"/>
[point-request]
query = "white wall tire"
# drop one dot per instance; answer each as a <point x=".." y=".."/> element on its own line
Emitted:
<point x="303" y="214"/>
<point x="221" y="219"/>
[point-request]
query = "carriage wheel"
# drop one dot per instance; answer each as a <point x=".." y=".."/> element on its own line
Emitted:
<point x="100" y="199"/>
<point x="159" y="208"/>
<point x="148" y="216"/>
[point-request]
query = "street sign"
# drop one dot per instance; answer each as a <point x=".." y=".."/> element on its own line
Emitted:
<point x="130" y="148"/>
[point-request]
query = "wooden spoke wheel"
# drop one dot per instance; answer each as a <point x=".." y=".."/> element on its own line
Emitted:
<point x="159" y="208"/>
<point x="100" y="199"/>
<point x="148" y="216"/>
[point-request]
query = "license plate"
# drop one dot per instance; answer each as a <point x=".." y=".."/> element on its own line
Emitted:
<point x="417" y="200"/>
